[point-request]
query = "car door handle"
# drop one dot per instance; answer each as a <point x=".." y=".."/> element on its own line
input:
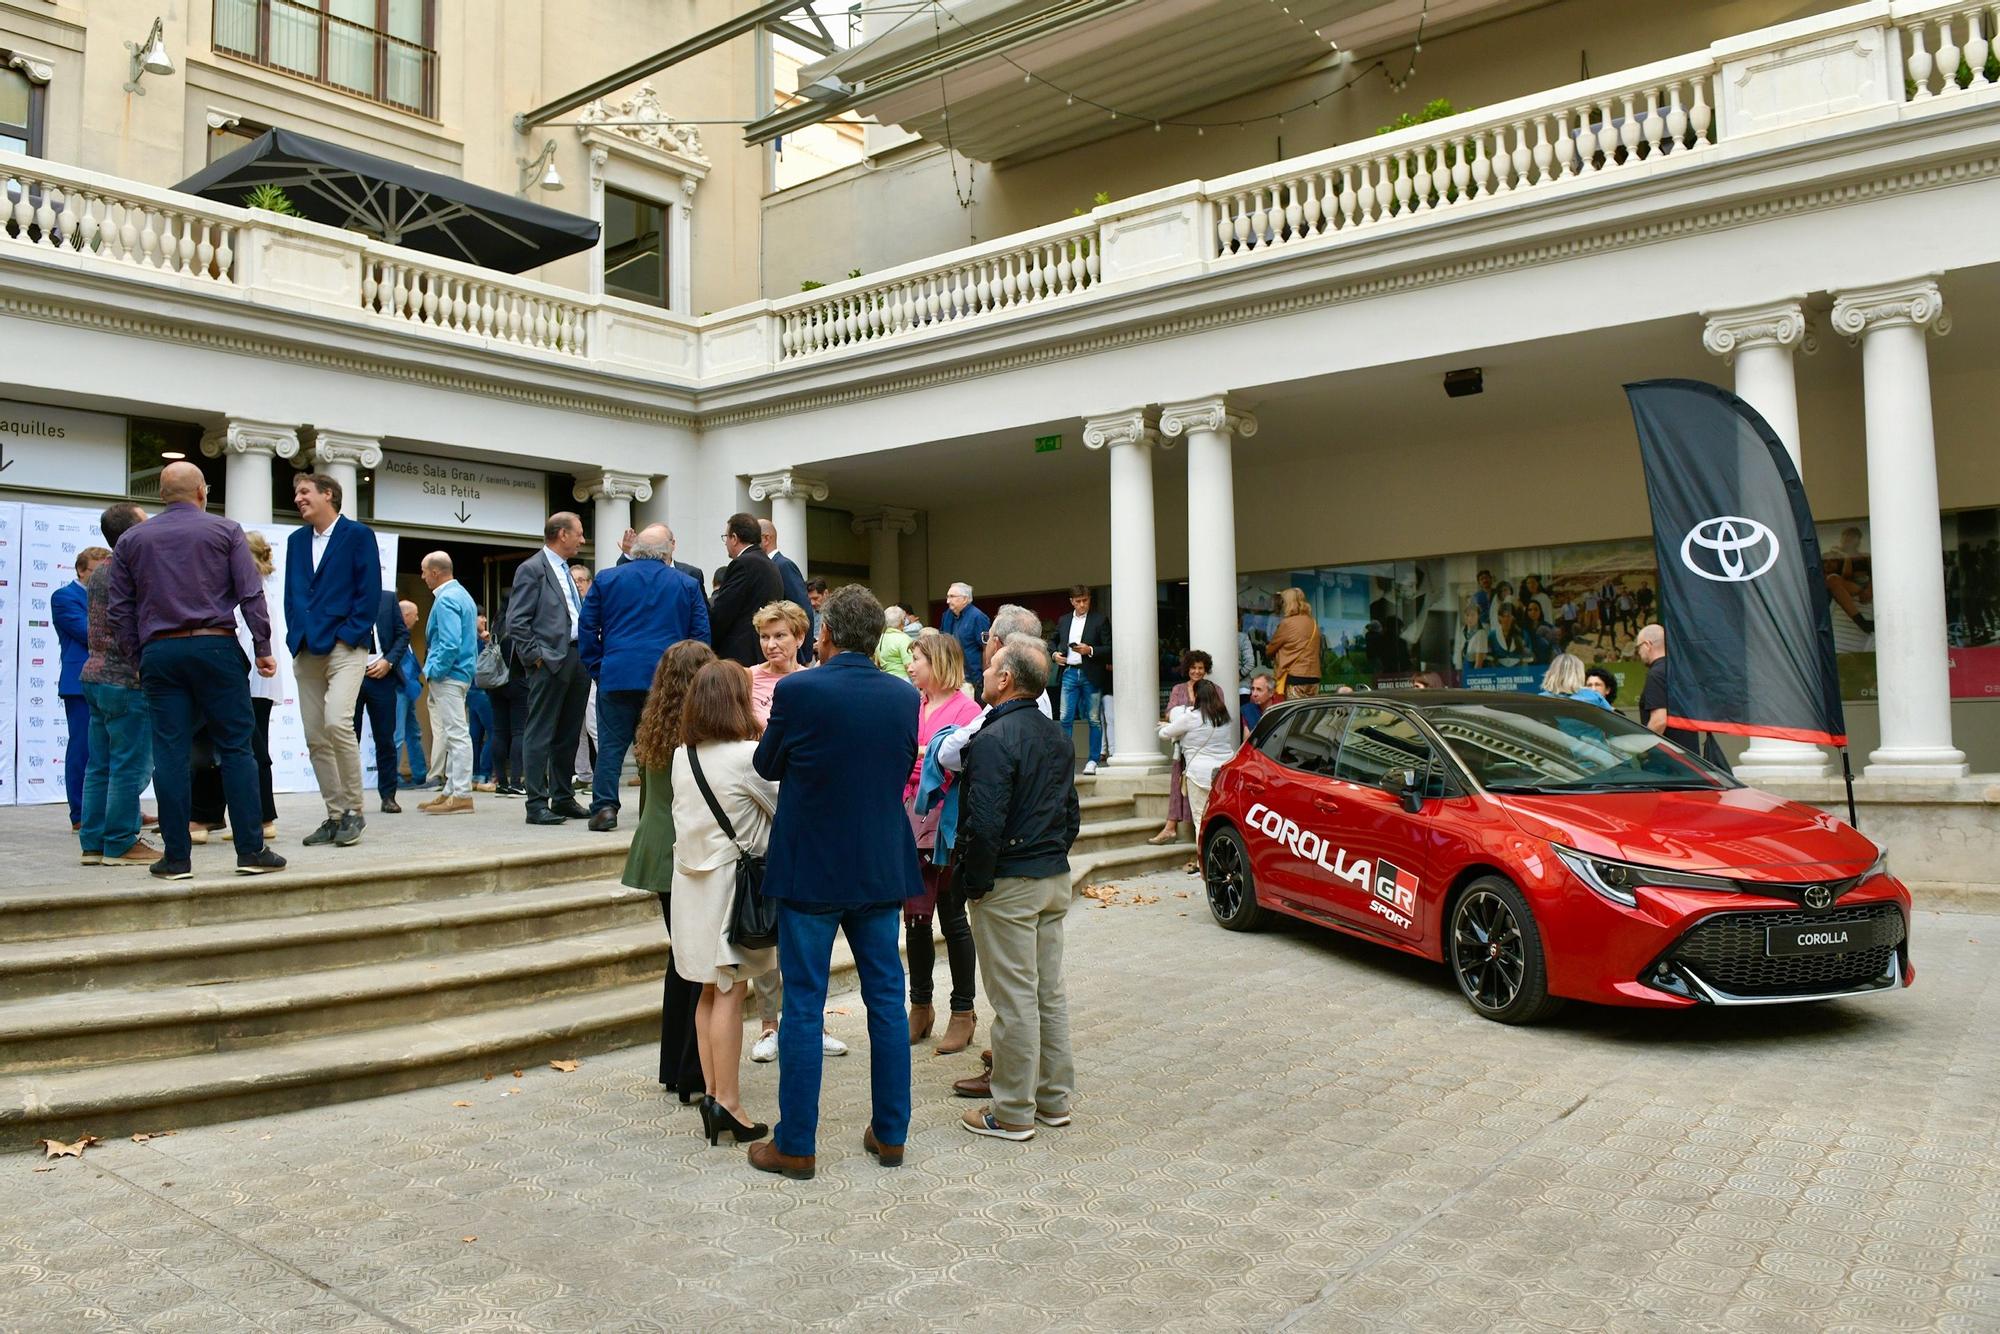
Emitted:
<point x="1322" y="804"/>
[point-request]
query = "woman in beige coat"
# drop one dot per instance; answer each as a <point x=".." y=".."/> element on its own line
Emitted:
<point x="719" y="731"/>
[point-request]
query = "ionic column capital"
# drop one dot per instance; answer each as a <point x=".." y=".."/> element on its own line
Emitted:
<point x="790" y="484"/>
<point x="1780" y="324"/>
<point x="1216" y="412"/>
<point x="1916" y="302"/>
<point x="609" y="485"/>
<point x="885" y="519"/>
<point x="1139" y="426"/>
<point x="361" y="451"/>
<point x="241" y="436"/>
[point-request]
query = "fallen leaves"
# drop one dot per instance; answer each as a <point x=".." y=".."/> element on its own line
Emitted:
<point x="1108" y="896"/>
<point x="565" y="1066"/>
<point x="57" y="1149"/>
<point x="469" y="1240"/>
<point x="517" y="1074"/>
<point x="145" y="1135"/>
<point x="461" y="1104"/>
<point x="836" y="1009"/>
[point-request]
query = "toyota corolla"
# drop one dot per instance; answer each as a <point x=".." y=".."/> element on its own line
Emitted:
<point x="1543" y="850"/>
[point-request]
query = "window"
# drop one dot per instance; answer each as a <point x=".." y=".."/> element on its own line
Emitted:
<point x="1380" y="742"/>
<point x="20" y="111"/>
<point x="635" y="248"/>
<point x="377" y="49"/>
<point x="1309" y="744"/>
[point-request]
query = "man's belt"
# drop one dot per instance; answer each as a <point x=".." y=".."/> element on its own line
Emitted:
<point x="190" y="634"/>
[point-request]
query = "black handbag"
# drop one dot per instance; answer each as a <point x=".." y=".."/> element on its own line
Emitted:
<point x="753" y="919"/>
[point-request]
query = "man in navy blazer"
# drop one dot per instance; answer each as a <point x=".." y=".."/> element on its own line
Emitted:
<point x="69" y="608"/>
<point x="788" y="570"/>
<point x="634" y="613"/>
<point x="333" y="590"/>
<point x="381" y="686"/>
<point x="841" y="743"/>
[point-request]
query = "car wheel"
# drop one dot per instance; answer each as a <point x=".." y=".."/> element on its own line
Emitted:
<point x="1232" y="892"/>
<point x="1496" y="954"/>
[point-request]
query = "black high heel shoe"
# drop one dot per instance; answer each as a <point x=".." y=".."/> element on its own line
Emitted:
<point x="717" y="1119"/>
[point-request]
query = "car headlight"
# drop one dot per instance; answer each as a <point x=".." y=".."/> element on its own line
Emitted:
<point x="1881" y="866"/>
<point x="1619" y="881"/>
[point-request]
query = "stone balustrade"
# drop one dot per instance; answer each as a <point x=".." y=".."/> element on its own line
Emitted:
<point x="1950" y="49"/>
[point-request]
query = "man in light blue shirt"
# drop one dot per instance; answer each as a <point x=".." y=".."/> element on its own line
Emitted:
<point x="452" y="647"/>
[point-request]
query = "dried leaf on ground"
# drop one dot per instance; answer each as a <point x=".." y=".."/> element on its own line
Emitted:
<point x="517" y="1074"/>
<point x="488" y="1076"/>
<point x="565" y="1066"/>
<point x="57" y="1149"/>
<point x="837" y="1009"/>
<point x="470" y="1239"/>
<point x="145" y="1135"/>
<point x="461" y="1104"/>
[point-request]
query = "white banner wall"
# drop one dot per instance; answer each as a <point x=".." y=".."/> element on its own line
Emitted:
<point x="10" y="639"/>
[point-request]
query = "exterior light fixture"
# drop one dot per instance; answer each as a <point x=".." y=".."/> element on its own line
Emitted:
<point x="542" y="165"/>
<point x="172" y="455"/>
<point x="1464" y="383"/>
<point x="149" y="57"/>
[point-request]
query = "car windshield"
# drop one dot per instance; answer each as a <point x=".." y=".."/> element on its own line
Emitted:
<point x="1535" y="744"/>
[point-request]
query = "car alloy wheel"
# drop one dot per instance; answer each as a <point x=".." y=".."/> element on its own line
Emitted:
<point x="1232" y="894"/>
<point x="1496" y="954"/>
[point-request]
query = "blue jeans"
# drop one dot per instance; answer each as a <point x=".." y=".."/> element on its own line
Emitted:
<point x="479" y="716"/>
<point x="76" y="755"/>
<point x="121" y="760"/>
<point x="617" y="719"/>
<point x="410" y="738"/>
<point x="805" y="949"/>
<point x="203" y="676"/>
<point x="1080" y="698"/>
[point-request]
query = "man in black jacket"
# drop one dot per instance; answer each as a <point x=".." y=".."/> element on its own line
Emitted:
<point x="1018" y="816"/>
<point x="381" y="684"/>
<point x="745" y="586"/>
<point x="1081" y="647"/>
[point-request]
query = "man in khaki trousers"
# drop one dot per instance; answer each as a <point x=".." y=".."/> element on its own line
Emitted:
<point x="1018" y="816"/>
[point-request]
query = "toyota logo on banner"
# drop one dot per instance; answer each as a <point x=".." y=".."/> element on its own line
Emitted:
<point x="1729" y="549"/>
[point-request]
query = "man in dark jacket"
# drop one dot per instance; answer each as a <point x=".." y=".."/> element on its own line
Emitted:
<point x="381" y="685"/>
<point x="1017" y="818"/>
<point x="745" y="586"/>
<point x="1081" y="647"/>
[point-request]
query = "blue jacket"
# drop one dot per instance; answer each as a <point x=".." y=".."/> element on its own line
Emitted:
<point x="969" y="628"/>
<point x="335" y="604"/>
<point x="69" y="608"/>
<point x="934" y="786"/>
<point x="840" y="745"/>
<point x="795" y="583"/>
<point x="451" y="635"/>
<point x="634" y="613"/>
<point x="392" y="637"/>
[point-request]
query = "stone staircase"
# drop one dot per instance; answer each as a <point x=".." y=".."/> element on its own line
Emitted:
<point x="129" y="1004"/>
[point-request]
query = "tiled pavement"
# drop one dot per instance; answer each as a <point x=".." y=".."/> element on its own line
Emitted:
<point x="1285" y="1130"/>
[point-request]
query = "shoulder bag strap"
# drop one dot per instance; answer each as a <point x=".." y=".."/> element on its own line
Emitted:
<point x="708" y="795"/>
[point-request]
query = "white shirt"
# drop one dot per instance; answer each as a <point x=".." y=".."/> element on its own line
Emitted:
<point x="1075" y="636"/>
<point x="1205" y="746"/>
<point x="951" y="750"/>
<point x="575" y="599"/>
<point x="320" y="539"/>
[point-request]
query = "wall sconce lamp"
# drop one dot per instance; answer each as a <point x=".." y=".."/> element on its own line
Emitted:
<point x="149" y="57"/>
<point x="542" y="165"/>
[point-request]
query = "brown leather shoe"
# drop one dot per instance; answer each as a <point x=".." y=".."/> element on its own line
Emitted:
<point x="449" y="806"/>
<point x="921" y="1019"/>
<point x="889" y="1155"/>
<point x="140" y="853"/>
<point x="975" y="1086"/>
<point x="439" y="800"/>
<point x="764" y="1156"/>
<point x="958" y="1033"/>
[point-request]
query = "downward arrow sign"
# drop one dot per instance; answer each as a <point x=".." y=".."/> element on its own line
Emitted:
<point x="462" y="516"/>
<point x="5" y="462"/>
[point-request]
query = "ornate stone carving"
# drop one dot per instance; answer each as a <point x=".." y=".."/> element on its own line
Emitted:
<point x="1214" y="413"/>
<point x="360" y="451"/>
<point x="885" y="519"/>
<point x="1784" y="324"/>
<point x="613" y="486"/>
<point x="1917" y="302"/>
<point x="252" y="437"/>
<point x="645" y="122"/>
<point x="1137" y="427"/>
<point x="36" y="69"/>
<point x="787" y="485"/>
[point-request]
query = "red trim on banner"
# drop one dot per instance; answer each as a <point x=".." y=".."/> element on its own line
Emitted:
<point x="1756" y="729"/>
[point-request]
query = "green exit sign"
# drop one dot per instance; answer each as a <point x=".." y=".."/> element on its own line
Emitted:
<point x="1047" y="444"/>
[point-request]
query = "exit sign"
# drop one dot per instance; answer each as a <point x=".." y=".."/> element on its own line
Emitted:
<point x="1047" y="444"/>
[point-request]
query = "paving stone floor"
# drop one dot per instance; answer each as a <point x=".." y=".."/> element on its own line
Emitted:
<point x="1278" y="1131"/>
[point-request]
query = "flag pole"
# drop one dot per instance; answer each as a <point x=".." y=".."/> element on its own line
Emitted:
<point x="1847" y="772"/>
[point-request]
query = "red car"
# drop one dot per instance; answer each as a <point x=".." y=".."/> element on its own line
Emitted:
<point x="1546" y="849"/>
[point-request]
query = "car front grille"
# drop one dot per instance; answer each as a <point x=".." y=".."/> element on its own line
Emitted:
<point x="1727" y="951"/>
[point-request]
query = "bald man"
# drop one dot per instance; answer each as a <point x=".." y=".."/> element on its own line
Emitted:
<point x="178" y="583"/>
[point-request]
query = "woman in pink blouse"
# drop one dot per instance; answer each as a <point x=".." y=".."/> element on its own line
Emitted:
<point x="781" y="628"/>
<point x="937" y="668"/>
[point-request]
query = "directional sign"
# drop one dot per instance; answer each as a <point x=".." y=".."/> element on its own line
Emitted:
<point x="61" y="449"/>
<point x="451" y="493"/>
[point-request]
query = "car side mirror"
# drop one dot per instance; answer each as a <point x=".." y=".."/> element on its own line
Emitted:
<point x="1408" y="787"/>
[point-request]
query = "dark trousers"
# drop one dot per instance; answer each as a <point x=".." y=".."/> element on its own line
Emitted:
<point x="805" y="950"/>
<point x="76" y="755"/>
<point x="510" y="725"/>
<point x="209" y="804"/>
<point x="260" y="743"/>
<point x="617" y="719"/>
<point x="378" y="701"/>
<point x="203" y="678"/>
<point x="479" y="720"/>
<point x="958" y="949"/>
<point x="557" y="694"/>
<point x="680" y="1056"/>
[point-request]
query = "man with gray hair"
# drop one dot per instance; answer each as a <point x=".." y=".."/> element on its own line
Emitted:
<point x="966" y="623"/>
<point x="1012" y="619"/>
<point x="451" y="650"/>
<point x="1018" y="816"/>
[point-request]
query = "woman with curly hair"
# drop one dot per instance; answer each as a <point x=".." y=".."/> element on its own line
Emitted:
<point x="650" y="863"/>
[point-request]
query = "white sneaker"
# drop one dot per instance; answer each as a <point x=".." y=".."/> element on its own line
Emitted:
<point x="1089" y="768"/>
<point x="831" y="1045"/>
<point x="765" y="1049"/>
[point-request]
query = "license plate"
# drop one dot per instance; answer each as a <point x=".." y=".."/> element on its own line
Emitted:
<point x="1833" y="938"/>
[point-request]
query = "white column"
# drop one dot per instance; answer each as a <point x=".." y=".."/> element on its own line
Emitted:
<point x="247" y="449"/>
<point x="885" y="526"/>
<point x="341" y="456"/>
<point x="788" y="492"/>
<point x="1760" y="340"/>
<point x="1209" y="424"/>
<point x="1135" y="587"/>
<point x="612" y="493"/>
<point x="1912" y="669"/>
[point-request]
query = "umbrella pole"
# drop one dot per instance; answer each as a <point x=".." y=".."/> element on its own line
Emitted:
<point x="1847" y="773"/>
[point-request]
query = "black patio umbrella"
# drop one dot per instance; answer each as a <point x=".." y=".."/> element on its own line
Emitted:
<point x="395" y="202"/>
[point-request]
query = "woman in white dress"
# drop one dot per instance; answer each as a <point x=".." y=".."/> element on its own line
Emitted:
<point x="719" y="730"/>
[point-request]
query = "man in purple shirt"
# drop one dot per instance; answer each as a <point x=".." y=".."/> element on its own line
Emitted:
<point x="176" y="582"/>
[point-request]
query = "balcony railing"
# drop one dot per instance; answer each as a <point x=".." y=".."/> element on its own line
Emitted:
<point x="302" y="39"/>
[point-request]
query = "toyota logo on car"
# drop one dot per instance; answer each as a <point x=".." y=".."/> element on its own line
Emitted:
<point x="1729" y="549"/>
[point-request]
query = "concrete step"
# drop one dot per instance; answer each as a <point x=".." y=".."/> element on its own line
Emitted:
<point x="1110" y="835"/>
<point x="181" y="1091"/>
<point x="125" y="900"/>
<point x="353" y="937"/>
<point x="98" y="1027"/>
<point x="1098" y="867"/>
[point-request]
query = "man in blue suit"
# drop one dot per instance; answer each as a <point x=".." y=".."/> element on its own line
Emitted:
<point x="381" y="688"/>
<point x="794" y="579"/>
<point x="69" y="608"/>
<point x="840" y="745"/>
<point x="333" y="589"/>
<point x="634" y="613"/>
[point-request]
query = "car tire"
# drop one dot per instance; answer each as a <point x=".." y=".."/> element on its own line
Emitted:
<point x="1232" y="889"/>
<point x="1495" y="953"/>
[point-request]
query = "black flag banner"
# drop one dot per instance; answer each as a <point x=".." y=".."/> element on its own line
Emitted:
<point x="1743" y="592"/>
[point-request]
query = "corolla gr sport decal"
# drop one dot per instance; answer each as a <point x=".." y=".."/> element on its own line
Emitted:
<point x="1393" y="890"/>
